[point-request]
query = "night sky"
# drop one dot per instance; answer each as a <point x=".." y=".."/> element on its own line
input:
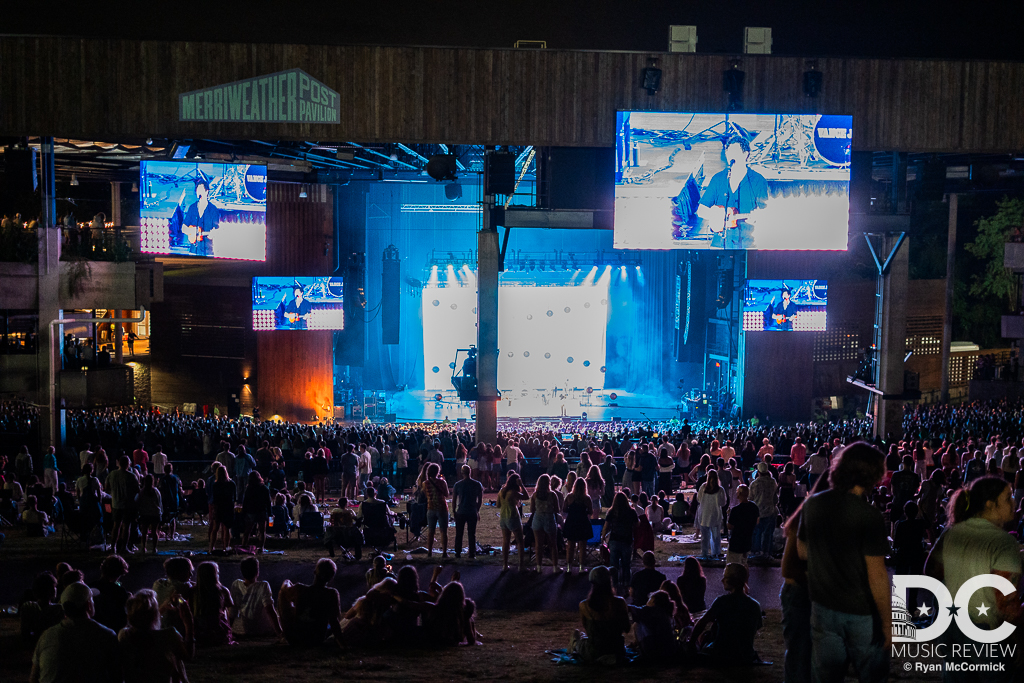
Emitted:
<point x="979" y="29"/>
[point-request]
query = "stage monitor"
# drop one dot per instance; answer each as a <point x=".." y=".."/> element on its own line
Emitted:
<point x="204" y="209"/>
<point x="297" y="303"/>
<point x="732" y="181"/>
<point x="785" y="305"/>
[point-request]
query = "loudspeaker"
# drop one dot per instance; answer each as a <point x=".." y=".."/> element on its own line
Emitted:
<point x="391" y="289"/>
<point x="860" y="181"/>
<point x="692" y="303"/>
<point x="576" y="178"/>
<point x="501" y="173"/>
<point x="20" y="170"/>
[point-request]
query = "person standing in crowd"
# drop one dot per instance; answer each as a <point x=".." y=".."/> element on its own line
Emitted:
<point x="349" y="473"/>
<point x="843" y="539"/>
<point x="50" y="469"/>
<point x="976" y="543"/>
<point x="436" y="490"/>
<point x="510" y="518"/>
<point x="467" y="497"/>
<point x="85" y="455"/>
<point x="743" y="519"/>
<point x="544" y="509"/>
<point x="123" y="487"/>
<point x="764" y="493"/>
<point x="712" y="498"/>
<point x="158" y="460"/>
<point x="78" y="648"/>
<point x="140" y="458"/>
<point x="619" y="528"/>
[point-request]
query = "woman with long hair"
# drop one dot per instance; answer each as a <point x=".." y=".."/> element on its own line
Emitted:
<point x="510" y="519"/>
<point x="584" y="465"/>
<point x="605" y="618"/>
<point x="629" y="461"/>
<point x="619" y="528"/>
<point x="693" y="585"/>
<point x="450" y="621"/>
<point x="544" y="510"/>
<point x="976" y="543"/>
<point x="210" y="604"/>
<point x="711" y="497"/>
<point x="223" y="507"/>
<point x="578" y="530"/>
<point x="152" y="654"/>
<point x="558" y="467"/>
<point x="595" y="487"/>
<point x="683" y="620"/>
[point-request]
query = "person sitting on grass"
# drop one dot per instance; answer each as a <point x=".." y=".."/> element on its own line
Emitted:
<point x="654" y="627"/>
<point x="43" y="611"/>
<point x="253" y="612"/>
<point x="378" y="572"/>
<point x="78" y="648"/>
<point x="645" y="581"/>
<point x="310" y="614"/>
<point x="177" y="585"/>
<point x="210" y="604"/>
<point x="683" y="620"/>
<point x="605" y="618"/>
<point x="111" y="597"/>
<point x="734" y="620"/>
<point x="366" y="622"/>
<point x="150" y="653"/>
<point x="450" y="621"/>
<point x="693" y="585"/>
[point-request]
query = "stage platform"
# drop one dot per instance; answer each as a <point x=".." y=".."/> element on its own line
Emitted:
<point x="541" y="405"/>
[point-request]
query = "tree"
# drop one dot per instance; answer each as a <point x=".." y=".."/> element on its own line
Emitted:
<point x="993" y="232"/>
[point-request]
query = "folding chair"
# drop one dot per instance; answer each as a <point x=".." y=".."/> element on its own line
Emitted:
<point x="594" y="543"/>
<point x="311" y="524"/>
<point x="417" y="521"/>
<point x="377" y="530"/>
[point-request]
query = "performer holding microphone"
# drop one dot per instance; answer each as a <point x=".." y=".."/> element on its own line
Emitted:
<point x="734" y="199"/>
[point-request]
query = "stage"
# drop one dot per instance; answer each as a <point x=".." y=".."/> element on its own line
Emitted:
<point x="542" y="405"/>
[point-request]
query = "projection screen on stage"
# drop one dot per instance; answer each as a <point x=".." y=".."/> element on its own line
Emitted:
<point x="548" y="336"/>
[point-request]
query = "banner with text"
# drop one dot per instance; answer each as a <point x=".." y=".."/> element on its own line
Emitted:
<point x="291" y="96"/>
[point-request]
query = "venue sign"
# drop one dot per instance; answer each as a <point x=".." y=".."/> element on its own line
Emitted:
<point x="291" y="96"/>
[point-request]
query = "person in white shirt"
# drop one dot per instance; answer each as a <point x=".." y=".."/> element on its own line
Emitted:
<point x="85" y="455"/>
<point x="513" y="455"/>
<point x="253" y="612"/>
<point x="991" y="448"/>
<point x="158" y="460"/>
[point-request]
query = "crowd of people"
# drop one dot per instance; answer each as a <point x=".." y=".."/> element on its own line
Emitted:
<point x="835" y="506"/>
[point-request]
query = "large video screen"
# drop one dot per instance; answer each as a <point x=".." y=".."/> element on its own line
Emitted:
<point x="204" y="209"/>
<point x="785" y="305"/>
<point x="732" y="181"/>
<point x="297" y="303"/>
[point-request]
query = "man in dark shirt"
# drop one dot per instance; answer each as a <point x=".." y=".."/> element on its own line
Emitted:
<point x="844" y="541"/>
<point x="309" y="614"/>
<point x="201" y="219"/>
<point x="736" y="192"/>
<point x="645" y="581"/>
<point x="648" y="472"/>
<point x="296" y="311"/>
<point x="783" y="313"/>
<point x="349" y="472"/>
<point x="742" y="520"/>
<point x="467" y="496"/>
<point x="903" y="484"/>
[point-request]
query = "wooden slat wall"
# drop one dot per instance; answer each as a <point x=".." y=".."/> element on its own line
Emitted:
<point x="296" y="373"/>
<point x="121" y="89"/>
<point x="295" y="369"/>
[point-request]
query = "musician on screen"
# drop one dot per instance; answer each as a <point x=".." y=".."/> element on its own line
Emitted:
<point x="296" y="311"/>
<point x="734" y="199"/>
<point x="201" y="219"/>
<point x="783" y="313"/>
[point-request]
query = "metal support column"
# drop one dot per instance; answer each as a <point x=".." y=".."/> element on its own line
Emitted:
<point x="947" y="318"/>
<point x="488" y="265"/>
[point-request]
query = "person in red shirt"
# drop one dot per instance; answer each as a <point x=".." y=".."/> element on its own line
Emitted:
<point x="141" y="458"/>
<point x="798" y="452"/>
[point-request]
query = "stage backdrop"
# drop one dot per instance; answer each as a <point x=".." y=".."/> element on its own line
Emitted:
<point x="638" y="334"/>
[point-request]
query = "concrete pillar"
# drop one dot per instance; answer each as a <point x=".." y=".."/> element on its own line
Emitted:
<point x="893" y="348"/>
<point x="118" y="334"/>
<point x="487" y="330"/>
<point x="48" y="352"/>
<point x="115" y="203"/>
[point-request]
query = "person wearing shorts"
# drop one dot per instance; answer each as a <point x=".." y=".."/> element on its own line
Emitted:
<point x="509" y="518"/>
